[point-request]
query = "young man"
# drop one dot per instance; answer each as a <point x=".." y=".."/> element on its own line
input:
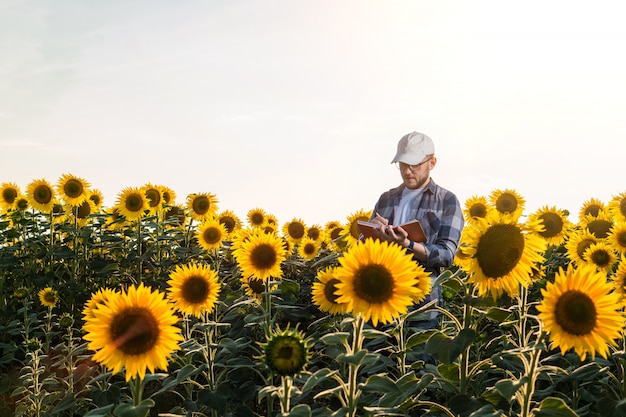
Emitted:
<point x="419" y="197"/>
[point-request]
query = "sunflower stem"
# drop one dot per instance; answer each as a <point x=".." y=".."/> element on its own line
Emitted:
<point x="285" y="400"/>
<point x="137" y="385"/>
<point x="354" y="393"/>
<point x="532" y="373"/>
<point x="140" y="263"/>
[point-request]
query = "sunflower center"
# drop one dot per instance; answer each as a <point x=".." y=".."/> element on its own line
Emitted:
<point x="50" y="297"/>
<point x="285" y="355"/>
<point x="95" y="199"/>
<point x="83" y="211"/>
<point x="600" y="257"/>
<point x="295" y="230"/>
<point x="576" y="313"/>
<point x="329" y="290"/>
<point x="195" y="289"/>
<point x="600" y="228"/>
<point x="506" y="203"/>
<point x="134" y="331"/>
<point x="309" y="249"/>
<point x="42" y="194"/>
<point x="257" y="285"/>
<point x="211" y="235"/>
<point x="622" y="207"/>
<point x="582" y="246"/>
<point x="9" y="195"/>
<point x="592" y="210"/>
<point x="374" y="283"/>
<point x="153" y="196"/>
<point x="263" y="256"/>
<point x="134" y="202"/>
<point x="313" y="233"/>
<point x="22" y="204"/>
<point x="335" y="233"/>
<point x="201" y="205"/>
<point x="621" y="239"/>
<point x="73" y="188"/>
<point x="257" y="218"/>
<point x="478" y="210"/>
<point x="500" y="249"/>
<point x="228" y="223"/>
<point x="553" y="224"/>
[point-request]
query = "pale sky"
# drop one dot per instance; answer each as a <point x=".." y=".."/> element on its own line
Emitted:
<point x="296" y="107"/>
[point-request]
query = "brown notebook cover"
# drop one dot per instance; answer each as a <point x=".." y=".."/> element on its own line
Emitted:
<point x="413" y="228"/>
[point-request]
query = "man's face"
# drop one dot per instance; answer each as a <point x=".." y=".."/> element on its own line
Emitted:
<point x="417" y="176"/>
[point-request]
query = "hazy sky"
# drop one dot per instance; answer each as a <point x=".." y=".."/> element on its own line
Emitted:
<point x="296" y="107"/>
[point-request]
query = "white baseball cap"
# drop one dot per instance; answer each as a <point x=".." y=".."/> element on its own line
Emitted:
<point x="413" y="147"/>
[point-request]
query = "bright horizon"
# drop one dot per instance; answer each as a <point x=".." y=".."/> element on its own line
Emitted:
<point x="296" y="107"/>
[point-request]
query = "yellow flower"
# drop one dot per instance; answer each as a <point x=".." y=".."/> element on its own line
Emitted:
<point x="260" y="255"/>
<point x="617" y="237"/>
<point x="555" y="224"/>
<point x="154" y="195"/>
<point x="315" y="232"/>
<point x="598" y="225"/>
<point x="286" y="353"/>
<point x="579" y="311"/>
<point x="97" y="298"/>
<point x="256" y="217"/>
<point x="351" y="228"/>
<point x="308" y="248"/>
<point x="230" y="221"/>
<point x="619" y="279"/>
<point x="502" y="253"/>
<point x="507" y="202"/>
<point x="132" y="203"/>
<point x="194" y="288"/>
<point x="82" y="212"/>
<point x="169" y="195"/>
<point x="476" y="207"/>
<point x="210" y="234"/>
<point x="294" y="230"/>
<point x="379" y="281"/>
<point x="41" y="196"/>
<point x="600" y="255"/>
<point x="72" y="190"/>
<point x="323" y="292"/>
<point x="96" y="198"/>
<point x="48" y="297"/>
<point x="135" y="329"/>
<point x="256" y="287"/>
<point x="591" y="208"/>
<point x="174" y="216"/>
<point x="8" y="195"/>
<point x="617" y="207"/>
<point x="577" y="243"/>
<point x="202" y="205"/>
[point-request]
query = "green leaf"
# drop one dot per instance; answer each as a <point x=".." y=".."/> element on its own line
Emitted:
<point x="461" y="341"/>
<point x="438" y="345"/>
<point x="101" y="411"/>
<point x="362" y="357"/>
<point x="130" y="410"/>
<point x="317" y="378"/>
<point x="301" y="410"/>
<point x="498" y="315"/>
<point x="449" y="371"/>
<point x="336" y="338"/>
<point x="509" y="387"/>
<point x="554" y="407"/>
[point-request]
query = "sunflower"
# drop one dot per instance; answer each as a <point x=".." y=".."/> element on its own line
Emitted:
<point x="132" y="203"/>
<point x="154" y="195"/>
<point x="48" y="297"/>
<point x="600" y="255"/>
<point x="256" y="217"/>
<point x="315" y="232"/>
<point x="194" y="288"/>
<point x="260" y="255"/>
<point x="8" y="194"/>
<point x="169" y="196"/>
<point x="82" y="212"/>
<point x="202" y="205"/>
<point x="286" y="353"/>
<point x="619" y="279"/>
<point x="580" y="311"/>
<point x="507" y="202"/>
<point x="294" y="230"/>
<point x="323" y="292"/>
<point x="599" y="225"/>
<point x="72" y="190"/>
<point x="114" y="220"/>
<point x="174" y="216"/>
<point x="502" y="253"/>
<point x="96" y="197"/>
<point x="617" y="207"/>
<point x="210" y="234"/>
<point x="617" y="237"/>
<point x="230" y="221"/>
<point x="97" y="298"/>
<point x="592" y="207"/>
<point x="351" y="228"/>
<point x="577" y="243"/>
<point x="308" y="248"/>
<point x="22" y="203"/>
<point x="40" y="195"/>
<point x="475" y="207"/>
<point x="256" y="287"/>
<point x="271" y="219"/>
<point x="379" y="281"/>
<point x="135" y="329"/>
<point x="555" y="224"/>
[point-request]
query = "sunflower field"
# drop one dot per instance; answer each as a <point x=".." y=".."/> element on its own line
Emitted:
<point x="157" y="307"/>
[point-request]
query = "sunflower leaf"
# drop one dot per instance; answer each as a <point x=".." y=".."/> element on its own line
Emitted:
<point x="130" y="410"/>
<point x="508" y="387"/>
<point x="554" y="407"/>
<point x="336" y="338"/>
<point x="317" y="378"/>
<point x="301" y="410"/>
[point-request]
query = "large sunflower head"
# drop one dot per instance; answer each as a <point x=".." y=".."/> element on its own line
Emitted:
<point x="230" y="221"/>
<point x="295" y="230"/>
<point x="502" y="253"/>
<point x="260" y="255"/>
<point x="323" y="292"/>
<point x="256" y="217"/>
<point x="72" y="190"/>
<point x="202" y="205"/>
<point x="601" y="255"/>
<point x="592" y="208"/>
<point x="286" y="353"/>
<point x="154" y="196"/>
<point x="351" y="228"/>
<point x="132" y="203"/>
<point x="578" y="242"/>
<point x="476" y="207"/>
<point x="379" y="281"/>
<point x="617" y="207"/>
<point x="210" y="234"/>
<point x="41" y="195"/>
<point x="194" y="288"/>
<point x="599" y="225"/>
<point x="48" y="297"/>
<point x="580" y="311"/>
<point x="8" y="194"/>
<point x="555" y="224"/>
<point x="135" y="329"/>
<point x="507" y="202"/>
<point x="308" y="248"/>
<point x="617" y="237"/>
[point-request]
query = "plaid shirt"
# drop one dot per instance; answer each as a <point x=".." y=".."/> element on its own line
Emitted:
<point x="440" y="213"/>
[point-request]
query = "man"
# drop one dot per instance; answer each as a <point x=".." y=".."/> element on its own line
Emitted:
<point x="419" y="197"/>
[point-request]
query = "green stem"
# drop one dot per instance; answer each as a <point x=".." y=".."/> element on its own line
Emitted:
<point x="532" y="377"/>
<point x="464" y="361"/>
<point x="140" y="263"/>
<point x="354" y="393"/>
<point x="286" y="397"/>
<point x="137" y="389"/>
